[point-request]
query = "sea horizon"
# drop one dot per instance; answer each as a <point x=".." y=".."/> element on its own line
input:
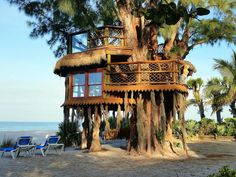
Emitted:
<point x="28" y="126"/>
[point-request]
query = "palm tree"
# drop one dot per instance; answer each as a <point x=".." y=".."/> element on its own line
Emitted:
<point x="228" y="72"/>
<point x="196" y="85"/>
<point x="215" y="90"/>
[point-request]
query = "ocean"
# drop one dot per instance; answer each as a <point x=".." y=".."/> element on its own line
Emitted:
<point x="28" y="126"/>
<point x="38" y="130"/>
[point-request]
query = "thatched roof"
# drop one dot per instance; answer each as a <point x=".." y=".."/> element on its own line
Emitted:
<point x="80" y="59"/>
<point x="191" y="66"/>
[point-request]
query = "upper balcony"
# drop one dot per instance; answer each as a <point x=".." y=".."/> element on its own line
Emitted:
<point x="148" y="75"/>
<point x="101" y="37"/>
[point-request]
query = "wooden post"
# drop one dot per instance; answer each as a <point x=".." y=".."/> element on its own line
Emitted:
<point x="122" y="39"/>
<point x="139" y="72"/>
<point x="108" y="68"/>
<point x="106" y="36"/>
<point x="69" y="44"/>
<point x="89" y="40"/>
<point x="174" y="68"/>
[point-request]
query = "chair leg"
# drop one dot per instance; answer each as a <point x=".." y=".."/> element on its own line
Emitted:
<point x="62" y="147"/>
<point x="2" y="154"/>
<point x="46" y="151"/>
<point x="42" y="151"/>
<point x="12" y="155"/>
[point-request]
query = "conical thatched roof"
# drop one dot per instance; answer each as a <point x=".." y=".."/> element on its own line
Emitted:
<point x="80" y="59"/>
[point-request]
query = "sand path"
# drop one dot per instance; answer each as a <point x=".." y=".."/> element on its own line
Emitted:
<point x="115" y="162"/>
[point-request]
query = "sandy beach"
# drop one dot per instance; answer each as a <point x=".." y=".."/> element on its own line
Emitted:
<point x="114" y="161"/>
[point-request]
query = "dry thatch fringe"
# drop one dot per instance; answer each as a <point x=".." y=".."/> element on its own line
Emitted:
<point x="81" y="59"/>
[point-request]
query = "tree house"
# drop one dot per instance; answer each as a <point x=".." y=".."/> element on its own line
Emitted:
<point x="100" y="76"/>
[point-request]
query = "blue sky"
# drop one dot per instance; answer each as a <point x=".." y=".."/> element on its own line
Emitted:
<point x="29" y="91"/>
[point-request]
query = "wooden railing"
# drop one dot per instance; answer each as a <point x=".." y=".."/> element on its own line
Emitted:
<point x="103" y="36"/>
<point x="144" y="73"/>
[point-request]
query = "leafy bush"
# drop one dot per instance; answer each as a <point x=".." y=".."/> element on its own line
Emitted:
<point x="124" y="129"/>
<point x="230" y="125"/>
<point x="192" y="127"/>
<point x="207" y="127"/>
<point x="225" y="171"/>
<point x="69" y="133"/>
<point x="176" y="128"/>
<point x="112" y="122"/>
<point x="7" y="142"/>
<point x="221" y="129"/>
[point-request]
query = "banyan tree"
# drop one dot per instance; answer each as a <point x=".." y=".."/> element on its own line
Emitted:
<point x="128" y="57"/>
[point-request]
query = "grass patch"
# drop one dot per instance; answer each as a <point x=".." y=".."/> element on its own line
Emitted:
<point x="7" y="142"/>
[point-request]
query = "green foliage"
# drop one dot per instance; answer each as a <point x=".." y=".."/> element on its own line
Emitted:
<point x="160" y="136"/>
<point x="207" y="127"/>
<point x="69" y="133"/>
<point x="192" y="127"/>
<point x="230" y="126"/>
<point x="124" y="129"/>
<point x="7" y="142"/>
<point x="225" y="171"/>
<point x="170" y="13"/>
<point x="112" y="122"/>
<point x="176" y="128"/>
<point x="221" y="130"/>
<point x="102" y="126"/>
<point x="227" y="70"/>
<point x="57" y="18"/>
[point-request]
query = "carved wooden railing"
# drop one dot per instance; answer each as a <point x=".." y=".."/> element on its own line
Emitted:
<point x="103" y="36"/>
<point x="144" y="73"/>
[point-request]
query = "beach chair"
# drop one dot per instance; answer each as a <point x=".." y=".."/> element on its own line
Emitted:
<point x="23" y="144"/>
<point x="51" y="143"/>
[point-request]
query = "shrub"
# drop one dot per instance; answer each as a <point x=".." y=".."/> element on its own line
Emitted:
<point x="230" y="126"/>
<point x="221" y="129"/>
<point x="112" y="122"/>
<point x="192" y="127"/>
<point x="207" y="127"/>
<point x="69" y="133"/>
<point x="176" y="128"/>
<point x="124" y="129"/>
<point x="225" y="171"/>
<point x="7" y="142"/>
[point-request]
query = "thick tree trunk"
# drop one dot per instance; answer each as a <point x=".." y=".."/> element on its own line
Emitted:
<point x="181" y="106"/>
<point x="107" y="128"/>
<point x="96" y="146"/>
<point x="153" y="41"/>
<point x="232" y="108"/>
<point x="141" y="125"/>
<point x="169" y="116"/>
<point x="218" y="116"/>
<point x="163" y="118"/>
<point x="201" y="110"/>
<point x="88" y="125"/>
<point x="85" y="127"/>
<point x="133" y="137"/>
<point x="118" y="118"/>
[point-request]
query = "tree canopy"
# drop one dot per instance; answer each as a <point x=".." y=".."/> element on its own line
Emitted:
<point x="178" y="22"/>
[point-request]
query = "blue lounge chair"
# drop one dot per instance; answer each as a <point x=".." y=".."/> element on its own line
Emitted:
<point x="23" y="144"/>
<point x="51" y="143"/>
